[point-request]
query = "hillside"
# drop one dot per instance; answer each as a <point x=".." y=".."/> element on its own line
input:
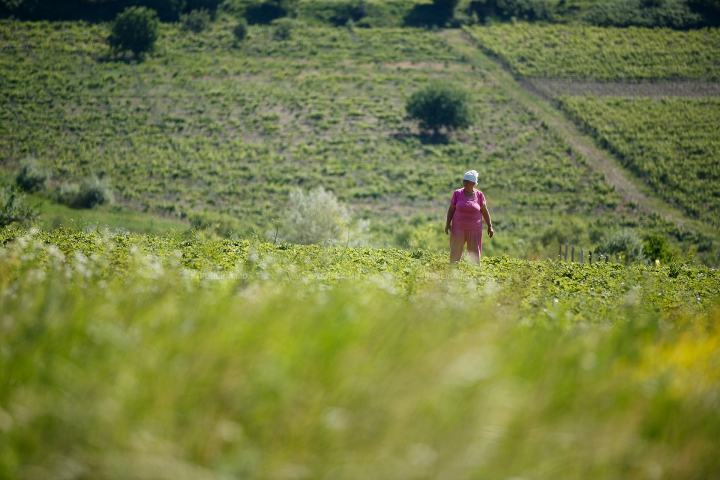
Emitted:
<point x="670" y="144"/>
<point x="130" y="356"/>
<point x="204" y="127"/>
<point x="214" y="350"/>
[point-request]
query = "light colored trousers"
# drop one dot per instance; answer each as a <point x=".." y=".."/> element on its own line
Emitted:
<point x="459" y="238"/>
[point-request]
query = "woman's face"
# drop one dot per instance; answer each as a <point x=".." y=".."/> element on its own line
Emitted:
<point x="468" y="185"/>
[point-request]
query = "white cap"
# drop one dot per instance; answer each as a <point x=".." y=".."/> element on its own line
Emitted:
<point x="472" y="175"/>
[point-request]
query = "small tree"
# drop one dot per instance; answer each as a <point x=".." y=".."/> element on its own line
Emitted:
<point x="196" y="21"/>
<point x="135" y="29"/>
<point x="240" y="31"/>
<point x="440" y="105"/>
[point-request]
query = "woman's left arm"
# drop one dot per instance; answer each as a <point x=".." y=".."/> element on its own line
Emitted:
<point x="486" y="217"/>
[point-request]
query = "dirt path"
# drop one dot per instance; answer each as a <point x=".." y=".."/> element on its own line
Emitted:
<point x="630" y="188"/>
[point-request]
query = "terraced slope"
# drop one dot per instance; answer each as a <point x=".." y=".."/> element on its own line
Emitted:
<point x="560" y="51"/>
<point x="204" y="126"/>
<point x="669" y="144"/>
<point x="673" y="144"/>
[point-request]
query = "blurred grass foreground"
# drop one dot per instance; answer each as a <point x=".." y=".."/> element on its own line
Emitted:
<point x="140" y="357"/>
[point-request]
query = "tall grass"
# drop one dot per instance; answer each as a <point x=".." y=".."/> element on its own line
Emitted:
<point x="136" y="369"/>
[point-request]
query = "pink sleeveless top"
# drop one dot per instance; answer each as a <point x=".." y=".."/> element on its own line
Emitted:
<point x="467" y="214"/>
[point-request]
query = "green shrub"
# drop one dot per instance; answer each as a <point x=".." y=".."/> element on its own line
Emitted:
<point x="92" y="191"/>
<point x="655" y="247"/>
<point x="336" y="13"/>
<point x="625" y="242"/>
<point x="436" y="14"/>
<point x="32" y="177"/>
<point x="283" y="28"/>
<point x="196" y="21"/>
<point x="240" y="31"/>
<point x="135" y="29"/>
<point x="529" y="10"/>
<point x="13" y="208"/>
<point x="67" y="193"/>
<point x="209" y="5"/>
<point x="317" y="217"/>
<point x="440" y="105"/>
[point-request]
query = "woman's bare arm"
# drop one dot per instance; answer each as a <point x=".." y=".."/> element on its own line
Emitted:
<point x="451" y="212"/>
<point x="486" y="216"/>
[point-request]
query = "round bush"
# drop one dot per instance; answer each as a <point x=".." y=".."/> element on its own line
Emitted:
<point x="624" y="241"/>
<point x="94" y="191"/>
<point x="196" y="21"/>
<point x="32" y="177"/>
<point x="135" y="29"/>
<point x="440" y="105"/>
<point x="283" y="28"/>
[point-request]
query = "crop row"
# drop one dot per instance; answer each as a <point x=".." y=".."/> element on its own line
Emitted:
<point x="204" y="125"/>
<point x="672" y="144"/>
<point x="573" y="51"/>
<point x="591" y="292"/>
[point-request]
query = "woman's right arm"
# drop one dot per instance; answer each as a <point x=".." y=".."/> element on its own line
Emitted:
<point x="451" y="212"/>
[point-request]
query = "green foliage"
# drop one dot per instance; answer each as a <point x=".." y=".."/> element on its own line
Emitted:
<point x="436" y="14"/>
<point x="240" y="30"/>
<point x="14" y="209"/>
<point x="219" y="224"/>
<point x="656" y="247"/>
<point x="179" y="133"/>
<point x="336" y="13"/>
<point x="209" y="5"/>
<point x="196" y="21"/>
<point x="154" y="357"/>
<point x="625" y="242"/>
<point x="96" y="10"/>
<point x="91" y="192"/>
<point x="316" y="217"/>
<point x="672" y="144"/>
<point x="32" y="177"/>
<point x="283" y="28"/>
<point x="94" y="191"/>
<point x="641" y="13"/>
<point x="709" y="9"/>
<point x="529" y="10"/>
<point x="568" y="51"/>
<point x="135" y="29"/>
<point x="440" y="105"/>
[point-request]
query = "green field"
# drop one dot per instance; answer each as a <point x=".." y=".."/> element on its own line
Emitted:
<point x="204" y="127"/>
<point x="669" y="144"/>
<point x="571" y="51"/>
<point x="126" y="356"/>
<point x="672" y="144"/>
<point x="178" y="354"/>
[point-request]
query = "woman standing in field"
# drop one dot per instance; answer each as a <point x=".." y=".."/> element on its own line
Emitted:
<point x="464" y="219"/>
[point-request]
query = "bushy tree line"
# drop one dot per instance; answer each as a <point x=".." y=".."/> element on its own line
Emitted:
<point x="528" y="10"/>
<point x="677" y="14"/>
<point x="100" y="10"/>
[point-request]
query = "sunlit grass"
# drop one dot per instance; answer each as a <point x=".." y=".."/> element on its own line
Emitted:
<point x="149" y="368"/>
